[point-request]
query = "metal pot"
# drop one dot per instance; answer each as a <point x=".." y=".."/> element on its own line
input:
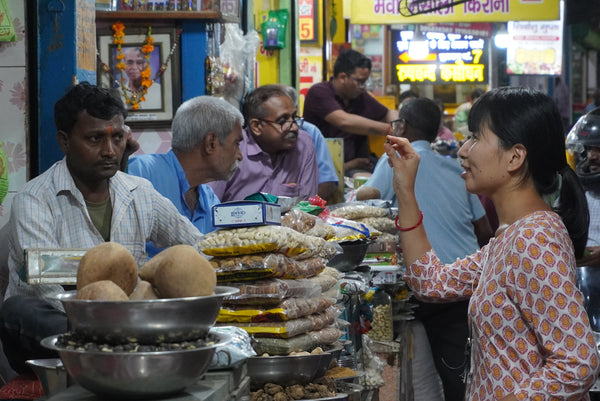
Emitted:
<point x="51" y="373"/>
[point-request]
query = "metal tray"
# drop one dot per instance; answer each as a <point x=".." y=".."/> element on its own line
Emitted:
<point x="52" y="266"/>
<point x="338" y="396"/>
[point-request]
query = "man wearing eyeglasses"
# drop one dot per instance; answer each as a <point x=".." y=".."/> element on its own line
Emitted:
<point x="342" y="108"/>
<point x="278" y="157"/>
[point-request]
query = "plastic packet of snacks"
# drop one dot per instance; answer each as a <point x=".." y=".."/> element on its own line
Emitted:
<point x="293" y="327"/>
<point x="325" y="281"/>
<point x="302" y="342"/>
<point x="265" y="265"/>
<point x="350" y="230"/>
<point x="383" y="224"/>
<point x="307" y="224"/>
<point x="290" y="308"/>
<point x="271" y="292"/>
<point x="259" y="239"/>
<point x="356" y="210"/>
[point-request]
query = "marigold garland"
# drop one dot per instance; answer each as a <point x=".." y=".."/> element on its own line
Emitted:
<point x="147" y="48"/>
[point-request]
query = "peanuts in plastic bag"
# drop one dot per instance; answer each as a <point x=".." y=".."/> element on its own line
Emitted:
<point x="307" y="224"/>
<point x="356" y="210"/>
<point x="258" y="239"/>
<point x="383" y="224"/>
<point x="325" y="281"/>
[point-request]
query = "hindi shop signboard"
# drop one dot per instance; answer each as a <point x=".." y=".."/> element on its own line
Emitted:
<point x="535" y="48"/>
<point x="387" y="11"/>
<point x="455" y="56"/>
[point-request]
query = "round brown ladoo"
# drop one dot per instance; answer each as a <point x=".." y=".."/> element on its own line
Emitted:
<point x="103" y="290"/>
<point x="108" y="261"/>
<point x="182" y="272"/>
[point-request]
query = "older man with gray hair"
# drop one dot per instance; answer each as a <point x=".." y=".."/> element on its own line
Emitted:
<point x="207" y="132"/>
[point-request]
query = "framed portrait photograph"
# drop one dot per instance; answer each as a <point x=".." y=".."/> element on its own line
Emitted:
<point x="151" y="105"/>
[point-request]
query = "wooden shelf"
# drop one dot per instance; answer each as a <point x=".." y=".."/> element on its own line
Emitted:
<point x="154" y="15"/>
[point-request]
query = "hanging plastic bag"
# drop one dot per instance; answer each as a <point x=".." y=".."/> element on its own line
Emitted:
<point x="215" y="80"/>
<point x="238" y="52"/>
<point x="237" y="350"/>
<point x="273" y="29"/>
<point x="372" y="365"/>
<point x="7" y="30"/>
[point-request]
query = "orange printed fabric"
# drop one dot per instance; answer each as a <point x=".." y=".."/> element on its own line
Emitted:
<point x="531" y="333"/>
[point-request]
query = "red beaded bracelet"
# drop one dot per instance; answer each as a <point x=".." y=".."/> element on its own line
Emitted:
<point x="410" y="228"/>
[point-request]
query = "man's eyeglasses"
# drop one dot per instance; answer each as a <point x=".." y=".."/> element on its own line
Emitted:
<point x="396" y="123"/>
<point x="285" y="124"/>
<point x="361" y="83"/>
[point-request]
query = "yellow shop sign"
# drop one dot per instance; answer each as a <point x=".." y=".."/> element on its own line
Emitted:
<point x="453" y="55"/>
<point x="388" y="11"/>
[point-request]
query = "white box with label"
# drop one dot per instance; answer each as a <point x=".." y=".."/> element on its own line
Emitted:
<point x="246" y="213"/>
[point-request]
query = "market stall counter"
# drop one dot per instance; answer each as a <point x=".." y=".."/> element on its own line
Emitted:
<point x="294" y="303"/>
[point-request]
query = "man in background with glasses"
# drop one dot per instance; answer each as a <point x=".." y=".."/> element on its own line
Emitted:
<point x="278" y="157"/>
<point x="342" y="108"/>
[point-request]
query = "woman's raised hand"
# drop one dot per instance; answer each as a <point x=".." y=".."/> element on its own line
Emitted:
<point x="405" y="162"/>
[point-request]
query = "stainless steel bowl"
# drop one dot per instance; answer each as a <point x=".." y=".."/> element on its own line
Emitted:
<point x="286" y="370"/>
<point x="334" y="349"/>
<point x="51" y="373"/>
<point x="144" y="321"/>
<point x="136" y="375"/>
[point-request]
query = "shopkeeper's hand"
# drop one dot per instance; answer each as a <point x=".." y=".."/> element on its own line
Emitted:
<point x="591" y="257"/>
<point x="405" y="162"/>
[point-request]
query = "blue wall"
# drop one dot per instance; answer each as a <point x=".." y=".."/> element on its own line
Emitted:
<point x="57" y="67"/>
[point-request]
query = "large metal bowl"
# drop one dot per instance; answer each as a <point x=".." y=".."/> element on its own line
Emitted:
<point x="144" y="321"/>
<point x="352" y="257"/>
<point x="136" y="375"/>
<point x="286" y="370"/>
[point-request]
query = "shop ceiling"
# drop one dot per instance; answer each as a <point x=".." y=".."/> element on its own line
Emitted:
<point x="577" y="11"/>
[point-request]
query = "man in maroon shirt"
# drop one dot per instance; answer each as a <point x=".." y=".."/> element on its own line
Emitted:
<point x="342" y="108"/>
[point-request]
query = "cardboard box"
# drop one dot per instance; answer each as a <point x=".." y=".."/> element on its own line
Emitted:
<point x="246" y="213"/>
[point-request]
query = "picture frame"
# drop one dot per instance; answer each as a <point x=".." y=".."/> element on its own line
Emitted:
<point x="164" y="95"/>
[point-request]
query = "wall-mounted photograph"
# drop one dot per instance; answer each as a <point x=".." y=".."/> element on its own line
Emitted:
<point x="142" y="64"/>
